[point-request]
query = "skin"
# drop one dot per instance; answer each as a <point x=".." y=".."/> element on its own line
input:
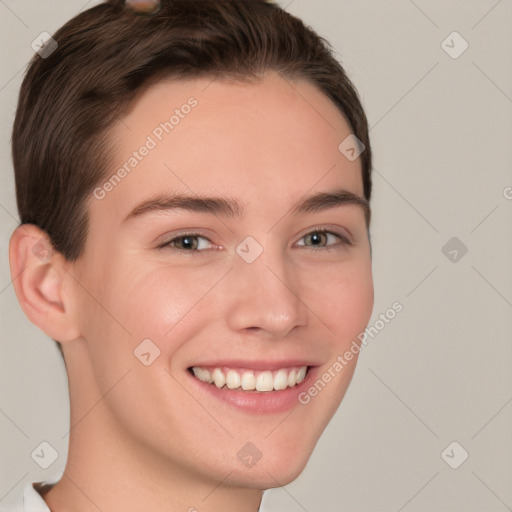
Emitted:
<point x="141" y="437"/>
<point x="144" y="6"/>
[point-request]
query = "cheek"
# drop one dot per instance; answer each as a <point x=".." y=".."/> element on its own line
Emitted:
<point x="343" y="299"/>
<point x="129" y="305"/>
<point x="347" y="308"/>
<point x="164" y="304"/>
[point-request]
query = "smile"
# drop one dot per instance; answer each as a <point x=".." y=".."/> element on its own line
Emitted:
<point x="251" y="380"/>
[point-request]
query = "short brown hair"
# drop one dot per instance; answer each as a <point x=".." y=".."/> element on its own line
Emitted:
<point x="106" y="56"/>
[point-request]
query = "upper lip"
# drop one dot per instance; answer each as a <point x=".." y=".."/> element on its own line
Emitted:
<point x="252" y="364"/>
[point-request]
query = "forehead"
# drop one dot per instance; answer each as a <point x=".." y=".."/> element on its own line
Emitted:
<point x="252" y="140"/>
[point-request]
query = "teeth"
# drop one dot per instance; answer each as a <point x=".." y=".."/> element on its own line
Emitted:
<point x="292" y="378"/>
<point x="233" y="379"/>
<point x="249" y="380"/>
<point x="281" y="380"/>
<point x="264" y="382"/>
<point x="203" y="375"/>
<point x="218" y="378"/>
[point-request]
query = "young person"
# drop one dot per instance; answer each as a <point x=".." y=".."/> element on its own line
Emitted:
<point x="193" y="183"/>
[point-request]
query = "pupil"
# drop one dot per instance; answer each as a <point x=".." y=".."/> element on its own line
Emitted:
<point x="187" y="242"/>
<point x="316" y="237"/>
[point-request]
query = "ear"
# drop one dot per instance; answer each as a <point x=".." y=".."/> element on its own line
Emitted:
<point x="42" y="283"/>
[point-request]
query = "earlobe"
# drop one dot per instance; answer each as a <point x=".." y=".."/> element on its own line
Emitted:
<point x="39" y="277"/>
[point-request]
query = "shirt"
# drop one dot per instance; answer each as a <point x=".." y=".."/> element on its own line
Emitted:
<point x="31" y="501"/>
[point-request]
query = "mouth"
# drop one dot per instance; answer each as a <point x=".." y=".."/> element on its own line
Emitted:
<point x="261" y="381"/>
<point x="267" y="389"/>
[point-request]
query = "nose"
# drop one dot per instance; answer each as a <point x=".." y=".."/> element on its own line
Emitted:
<point x="264" y="295"/>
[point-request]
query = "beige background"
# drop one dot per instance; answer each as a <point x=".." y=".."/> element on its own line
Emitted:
<point x="440" y="371"/>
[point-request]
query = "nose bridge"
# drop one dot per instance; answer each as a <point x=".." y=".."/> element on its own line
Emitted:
<point x="265" y="291"/>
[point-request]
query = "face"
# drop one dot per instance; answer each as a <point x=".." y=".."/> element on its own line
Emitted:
<point x="249" y="289"/>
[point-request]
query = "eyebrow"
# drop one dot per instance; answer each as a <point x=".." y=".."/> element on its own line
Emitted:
<point x="233" y="208"/>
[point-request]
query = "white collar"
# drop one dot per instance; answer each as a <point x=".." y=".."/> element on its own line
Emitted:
<point x="32" y="500"/>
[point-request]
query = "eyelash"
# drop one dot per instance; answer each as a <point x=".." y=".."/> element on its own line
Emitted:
<point x="344" y="241"/>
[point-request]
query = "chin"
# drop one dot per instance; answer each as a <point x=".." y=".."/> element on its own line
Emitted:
<point x="275" y="468"/>
<point x="265" y="478"/>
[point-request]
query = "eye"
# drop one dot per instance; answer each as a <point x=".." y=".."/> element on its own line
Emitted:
<point x="188" y="242"/>
<point x="319" y="237"/>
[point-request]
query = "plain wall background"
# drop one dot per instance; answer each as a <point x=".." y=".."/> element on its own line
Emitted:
<point x="440" y="371"/>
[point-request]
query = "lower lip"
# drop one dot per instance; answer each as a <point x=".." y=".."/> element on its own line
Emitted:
<point x="258" y="402"/>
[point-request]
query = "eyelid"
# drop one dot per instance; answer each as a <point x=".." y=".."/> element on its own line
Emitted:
<point x="186" y="233"/>
<point x="344" y="239"/>
<point x="335" y="229"/>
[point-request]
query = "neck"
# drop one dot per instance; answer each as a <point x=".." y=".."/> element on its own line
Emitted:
<point x="107" y="470"/>
<point x="101" y="474"/>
